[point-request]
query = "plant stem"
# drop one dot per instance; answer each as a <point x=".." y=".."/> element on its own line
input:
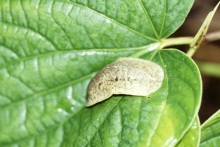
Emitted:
<point x="207" y="38"/>
<point x="191" y="51"/>
<point x="199" y="38"/>
<point x="188" y="40"/>
<point x="175" y="41"/>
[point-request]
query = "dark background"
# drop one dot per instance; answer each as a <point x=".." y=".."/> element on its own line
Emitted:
<point x="209" y="52"/>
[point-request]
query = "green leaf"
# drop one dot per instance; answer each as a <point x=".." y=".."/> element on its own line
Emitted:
<point x="153" y="19"/>
<point x="210" y="134"/>
<point x="160" y="120"/>
<point x="192" y="136"/>
<point x="49" y="51"/>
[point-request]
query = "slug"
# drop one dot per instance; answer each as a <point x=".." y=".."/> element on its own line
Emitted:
<point x="128" y="76"/>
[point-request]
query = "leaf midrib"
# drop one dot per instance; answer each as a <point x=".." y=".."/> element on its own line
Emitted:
<point x="49" y="90"/>
<point x="74" y="51"/>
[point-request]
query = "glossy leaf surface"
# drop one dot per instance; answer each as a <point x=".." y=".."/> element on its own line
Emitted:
<point x="49" y="51"/>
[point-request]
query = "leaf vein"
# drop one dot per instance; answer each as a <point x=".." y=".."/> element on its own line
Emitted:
<point x="31" y="30"/>
<point x="148" y="17"/>
<point x="49" y="90"/>
<point x="116" y="22"/>
<point x="164" y="18"/>
<point x="93" y="135"/>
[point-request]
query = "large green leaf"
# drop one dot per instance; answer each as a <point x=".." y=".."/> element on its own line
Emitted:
<point x="192" y="136"/>
<point x="58" y="115"/>
<point x="210" y="135"/>
<point x="49" y="51"/>
<point x="160" y="120"/>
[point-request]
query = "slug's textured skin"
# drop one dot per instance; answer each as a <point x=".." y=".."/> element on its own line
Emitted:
<point x="129" y="76"/>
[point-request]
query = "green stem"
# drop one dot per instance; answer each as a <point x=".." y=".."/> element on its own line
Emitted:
<point x="164" y="43"/>
<point x="199" y="38"/>
<point x="175" y="41"/>
<point x="191" y="51"/>
<point x="146" y="49"/>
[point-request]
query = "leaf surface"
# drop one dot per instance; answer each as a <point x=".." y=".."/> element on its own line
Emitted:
<point x="160" y="120"/>
<point x="192" y="136"/>
<point x="210" y="134"/>
<point x="49" y="51"/>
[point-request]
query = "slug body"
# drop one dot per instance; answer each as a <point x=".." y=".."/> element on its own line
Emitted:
<point x="128" y="76"/>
